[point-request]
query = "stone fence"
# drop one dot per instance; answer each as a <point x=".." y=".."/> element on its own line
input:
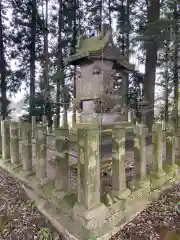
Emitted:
<point x="84" y="213"/>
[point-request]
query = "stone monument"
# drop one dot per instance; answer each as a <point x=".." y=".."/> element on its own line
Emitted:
<point x="99" y="67"/>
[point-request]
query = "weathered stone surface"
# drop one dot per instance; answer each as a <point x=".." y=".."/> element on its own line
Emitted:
<point x="88" y="165"/>
<point x="5" y="132"/>
<point x="54" y="123"/>
<point x="157" y="149"/>
<point x="33" y="123"/>
<point x="41" y="153"/>
<point x="44" y="120"/>
<point x="170" y="166"/>
<point x="178" y="150"/>
<point x="119" y="189"/>
<point x="116" y="207"/>
<point x="62" y="165"/>
<point x="27" y="147"/>
<point x="14" y="143"/>
<point x="139" y="155"/>
<point x="170" y="147"/>
<point x="90" y="219"/>
<point x="158" y="176"/>
<point x="0" y="137"/>
<point x="20" y="127"/>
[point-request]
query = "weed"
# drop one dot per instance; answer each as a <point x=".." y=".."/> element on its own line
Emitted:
<point x="45" y="234"/>
<point x="31" y="204"/>
<point x="92" y="238"/>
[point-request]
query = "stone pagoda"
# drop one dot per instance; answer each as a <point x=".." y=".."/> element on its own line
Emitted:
<point x="100" y="67"/>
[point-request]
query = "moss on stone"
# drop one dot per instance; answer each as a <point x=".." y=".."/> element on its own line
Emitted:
<point x="70" y="199"/>
<point x="48" y="188"/>
<point x="87" y="46"/>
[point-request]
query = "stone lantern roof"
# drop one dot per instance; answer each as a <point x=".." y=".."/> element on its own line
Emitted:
<point x="98" y="47"/>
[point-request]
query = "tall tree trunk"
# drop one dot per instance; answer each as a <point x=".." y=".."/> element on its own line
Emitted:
<point x="175" y="69"/>
<point x="100" y="20"/>
<point x="60" y="65"/>
<point x="2" y="70"/>
<point x="125" y="31"/>
<point x="123" y="12"/>
<point x="109" y="12"/>
<point x="127" y="50"/>
<point x="166" y="117"/>
<point x="74" y="40"/>
<point x="46" y="67"/>
<point x="153" y="14"/>
<point x="32" y="59"/>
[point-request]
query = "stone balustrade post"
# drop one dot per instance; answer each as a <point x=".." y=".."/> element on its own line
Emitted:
<point x="157" y="147"/>
<point x="14" y="143"/>
<point x="119" y="189"/>
<point x="131" y="116"/>
<point x="33" y="124"/>
<point x="0" y="137"/>
<point x="170" y="165"/>
<point x="73" y="116"/>
<point x="157" y="141"/>
<point x="170" y="147"/>
<point x="44" y="120"/>
<point x="5" y="131"/>
<point x="178" y="138"/>
<point x="79" y="118"/>
<point x="41" y="153"/>
<point x="139" y="155"/>
<point x="49" y="129"/>
<point x="27" y="147"/>
<point x="45" y="123"/>
<point x="54" y="123"/>
<point x="62" y="164"/>
<point x="20" y="127"/>
<point x="88" y="138"/>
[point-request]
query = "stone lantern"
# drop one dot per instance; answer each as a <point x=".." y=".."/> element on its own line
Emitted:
<point x="144" y="108"/>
